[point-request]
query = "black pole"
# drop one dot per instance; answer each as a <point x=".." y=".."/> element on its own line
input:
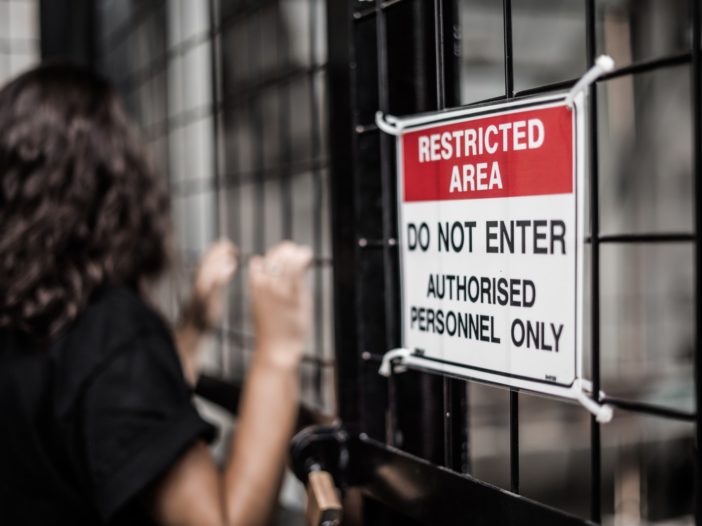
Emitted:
<point x="595" y="432"/>
<point x="67" y="29"/>
<point x="696" y="74"/>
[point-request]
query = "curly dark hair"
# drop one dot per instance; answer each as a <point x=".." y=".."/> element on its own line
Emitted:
<point x="80" y="205"/>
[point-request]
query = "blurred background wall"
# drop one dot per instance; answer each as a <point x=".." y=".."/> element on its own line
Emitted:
<point x="230" y="96"/>
<point x="232" y="101"/>
<point x="19" y="36"/>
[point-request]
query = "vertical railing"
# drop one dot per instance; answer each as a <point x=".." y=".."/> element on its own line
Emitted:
<point x="595" y="440"/>
<point x="696" y="104"/>
<point x="513" y="394"/>
<point x="220" y="223"/>
<point x="315" y="153"/>
<point x="388" y="216"/>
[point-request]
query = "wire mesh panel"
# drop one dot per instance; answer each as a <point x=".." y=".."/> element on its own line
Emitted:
<point x="273" y="168"/>
<point x="231" y="96"/>
<point x="642" y="264"/>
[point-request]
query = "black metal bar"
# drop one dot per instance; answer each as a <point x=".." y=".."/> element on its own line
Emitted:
<point x="391" y="426"/>
<point x="215" y="89"/>
<point x="595" y="439"/>
<point x="459" y="401"/>
<point x="650" y="409"/>
<point x="255" y="38"/>
<point x="514" y="441"/>
<point x="453" y="390"/>
<point x="285" y="170"/>
<point x="447" y="383"/>
<point x="388" y="199"/>
<point x="315" y="141"/>
<point x="367" y="13"/>
<point x="663" y="237"/>
<point x="448" y="415"/>
<point x="341" y="78"/>
<point x="544" y="88"/>
<point x="696" y="103"/>
<point x="391" y="328"/>
<point x="640" y="67"/>
<point x="429" y="495"/>
<point x="513" y="395"/>
<point x="361" y="129"/>
<point x="508" y="52"/>
<point x="636" y="67"/>
<point x="679" y="59"/>
<point x="439" y="55"/>
<point x="235" y="203"/>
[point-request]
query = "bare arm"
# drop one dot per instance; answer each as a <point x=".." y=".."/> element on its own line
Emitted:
<point x="268" y="413"/>
<point x="195" y="492"/>
<point x="204" y="308"/>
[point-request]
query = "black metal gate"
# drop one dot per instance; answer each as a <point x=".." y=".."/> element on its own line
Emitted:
<point x="408" y="437"/>
<point x="409" y="443"/>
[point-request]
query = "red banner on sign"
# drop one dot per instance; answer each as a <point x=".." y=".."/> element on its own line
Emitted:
<point x="516" y="154"/>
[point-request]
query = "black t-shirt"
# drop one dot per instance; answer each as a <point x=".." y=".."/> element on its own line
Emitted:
<point x="89" y="423"/>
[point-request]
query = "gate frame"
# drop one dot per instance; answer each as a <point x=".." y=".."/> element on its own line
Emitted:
<point x="357" y="361"/>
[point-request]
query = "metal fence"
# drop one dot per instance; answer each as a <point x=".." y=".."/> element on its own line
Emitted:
<point x="231" y="97"/>
<point x="402" y="57"/>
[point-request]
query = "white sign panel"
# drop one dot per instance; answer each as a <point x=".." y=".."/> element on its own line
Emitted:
<point x="491" y="223"/>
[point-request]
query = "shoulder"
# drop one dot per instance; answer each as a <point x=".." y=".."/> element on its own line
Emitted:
<point x="114" y="316"/>
<point x="116" y="321"/>
<point x="109" y="300"/>
<point x="133" y="406"/>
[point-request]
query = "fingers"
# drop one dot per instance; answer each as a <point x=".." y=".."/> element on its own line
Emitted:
<point x="289" y="259"/>
<point x="217" y="267"/>
<point x="265" y="284"/>
<point x="281" y="270"/>
<point x="225" y="254"/>
<point x="256" y="271"/>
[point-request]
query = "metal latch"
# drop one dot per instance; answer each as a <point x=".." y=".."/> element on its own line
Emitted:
<point x="319" y="457"/>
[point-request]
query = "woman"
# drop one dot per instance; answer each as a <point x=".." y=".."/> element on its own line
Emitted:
<point x="96" y="420"/>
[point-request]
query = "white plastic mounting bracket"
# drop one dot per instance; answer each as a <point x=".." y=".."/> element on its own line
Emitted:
<point x="388" y="123"/>
<point x="603" y="412"/>
<point x="399" y="360"/>
<point x="393" y="362"/>
<point x="603" y="64"/>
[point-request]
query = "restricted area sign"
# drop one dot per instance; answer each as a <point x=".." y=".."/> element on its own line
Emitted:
<point x="490" y="215"/>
